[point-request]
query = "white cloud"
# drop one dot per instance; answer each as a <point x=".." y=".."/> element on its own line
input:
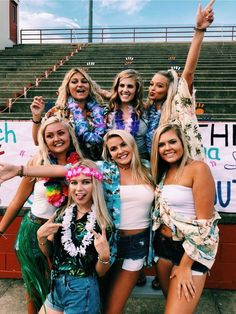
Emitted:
<point x="127" y="6"/>
<point x="45" y="20"/>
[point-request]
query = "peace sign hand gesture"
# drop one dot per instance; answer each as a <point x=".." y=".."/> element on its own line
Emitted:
<point x="101" y="244"/>
<point x="205" y="16"/>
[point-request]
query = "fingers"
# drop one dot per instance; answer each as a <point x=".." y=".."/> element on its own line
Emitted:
<point x="104" y="232"/>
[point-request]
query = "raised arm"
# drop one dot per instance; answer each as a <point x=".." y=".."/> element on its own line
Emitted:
<point x="9" y="171"/>
<point x="203" y="19"/>
<point x="37" y="108"/>
<point x="23" y="192"/>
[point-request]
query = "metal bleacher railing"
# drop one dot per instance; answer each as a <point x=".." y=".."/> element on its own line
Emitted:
<point x="123" y="34"/>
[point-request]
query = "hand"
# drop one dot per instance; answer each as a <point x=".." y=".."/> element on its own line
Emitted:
<point x="37" y="107"/>
<point x="185" y="285"/>
<point x="7" y="171"/>
<point x="47" y="229"/>
<point x="101" y="244"/>
<point x="205" y="17"/>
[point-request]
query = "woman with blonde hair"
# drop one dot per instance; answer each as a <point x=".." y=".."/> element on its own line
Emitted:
<point x="129" y="191"/>
<point x="184" y="219"/>
<point x="126" y="108"/>
<point x="79" y="101"/>
<point x="172" y="98"/>
<point x="76" y="240"/>
<point x="57" y="146"/>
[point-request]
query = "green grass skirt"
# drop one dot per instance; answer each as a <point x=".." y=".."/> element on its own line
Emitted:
<point x="34" y="265"/>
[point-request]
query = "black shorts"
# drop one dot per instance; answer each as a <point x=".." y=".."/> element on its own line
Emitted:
<point x="173" y="251"/>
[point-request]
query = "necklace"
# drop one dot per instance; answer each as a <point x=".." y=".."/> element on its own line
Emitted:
<point x="82" y="212"/>
<point x="131" y="125"/>
<point x="90" y="128"/>
<point x="68" y="224"/>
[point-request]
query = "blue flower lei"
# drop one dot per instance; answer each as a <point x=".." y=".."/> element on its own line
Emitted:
<point x="131" y="126"/>
<point x="154" y="116"/>
<point x="92" y="129"/>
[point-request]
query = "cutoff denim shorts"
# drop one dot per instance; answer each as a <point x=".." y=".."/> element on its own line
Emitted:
<point x="173" y="251"/>
<point x="133" y="249"/>
<point x="75" y="295"/>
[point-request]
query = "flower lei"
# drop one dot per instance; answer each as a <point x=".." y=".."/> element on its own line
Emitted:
<point x="90" y="130"/>
<point x="131" y="125"/>
<point x="66" y="239"/>
<point x="57" y="188"/>
<point x="89" y="172"/>
<point x="153" y="122"/>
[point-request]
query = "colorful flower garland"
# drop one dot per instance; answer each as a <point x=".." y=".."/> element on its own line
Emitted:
<point x="68" y="222"/>
<point x="57" y="188"/>
<point x="154" y="116"/>
<point x="131" y="125"/>
<point x="91" y="129"/>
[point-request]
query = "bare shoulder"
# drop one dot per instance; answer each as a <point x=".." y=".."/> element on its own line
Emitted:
<point x="199" y="167"/>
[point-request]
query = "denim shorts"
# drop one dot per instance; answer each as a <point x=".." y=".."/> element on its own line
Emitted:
<point x="173" y="251"/>
<point x="133" y="246"/>
<point x="75" y="295"/>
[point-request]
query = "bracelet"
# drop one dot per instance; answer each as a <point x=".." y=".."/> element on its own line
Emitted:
<point x="43" y="243"/>
<point x="200" y="29"/>
<point x="36" y="122"/>
<point x="102" y="261"/>
<point x="20" y="172"/>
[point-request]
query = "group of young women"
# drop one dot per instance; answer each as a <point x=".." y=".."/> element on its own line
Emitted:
<point x="112" y="216"/>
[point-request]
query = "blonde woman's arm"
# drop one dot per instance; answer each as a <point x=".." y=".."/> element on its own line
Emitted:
<point x="204" y="18"/>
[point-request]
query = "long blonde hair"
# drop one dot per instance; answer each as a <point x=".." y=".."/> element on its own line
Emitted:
<point x="102" y="215"/>
<point x="43" y="152"/>
<point x="64" y="93"/>
<point x="158" y="165"/>
<point x="137" y="101"/>
<point x="168" y="110"/>
<point x="139" y="172"/>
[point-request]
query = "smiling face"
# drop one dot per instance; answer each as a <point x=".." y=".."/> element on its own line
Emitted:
<point x="158" y="88"/>
<point x="120" y="152"/>
<point x="170" y="147"/>
<point x="126" y="90"/>
<point x="57" y="138"/>
<point x="79" y="87"/>
<point x="81" y="189"/>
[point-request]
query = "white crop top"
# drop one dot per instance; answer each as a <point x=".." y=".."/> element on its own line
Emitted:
<point x="136" y="202"/>
<point x="180" y="199"/>
<point x="41" y="208"/>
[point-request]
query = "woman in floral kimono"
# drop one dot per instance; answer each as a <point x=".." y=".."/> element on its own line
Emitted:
<point x="172" y="98"/>
<point x="184" y="218"/>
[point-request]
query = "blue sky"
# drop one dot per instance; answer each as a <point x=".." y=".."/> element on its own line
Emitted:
<point x="74" y="13"/>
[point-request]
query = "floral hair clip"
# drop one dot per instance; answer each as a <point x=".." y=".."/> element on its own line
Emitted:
<point x="90" y="172"/>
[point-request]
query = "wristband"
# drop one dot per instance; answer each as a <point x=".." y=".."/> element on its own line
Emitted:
<point x="200" y="29"/>
<point x="20" y="172"/>
<point x="36" y="122"/>
<point x="103" y="262"/>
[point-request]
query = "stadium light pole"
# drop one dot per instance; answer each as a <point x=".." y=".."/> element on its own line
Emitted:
<point x="90" y="25"/>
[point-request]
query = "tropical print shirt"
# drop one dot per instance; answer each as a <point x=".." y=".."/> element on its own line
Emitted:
<point x="201" y="236"/>
<point x="80" y="266"/>
<point x="183" y="112"/>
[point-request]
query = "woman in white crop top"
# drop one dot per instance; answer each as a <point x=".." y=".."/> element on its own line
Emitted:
<point x="57" y="145"/>
<point x="186" y="239"/>
<point x="129" y="192"/>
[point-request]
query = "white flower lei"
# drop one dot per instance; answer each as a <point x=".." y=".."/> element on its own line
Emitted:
<point x="66" y="239"/>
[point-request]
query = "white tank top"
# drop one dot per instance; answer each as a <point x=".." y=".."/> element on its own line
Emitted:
<point x="180" y="199"/>
<point x="136" y="202"/>
<point x="41" y="208"/>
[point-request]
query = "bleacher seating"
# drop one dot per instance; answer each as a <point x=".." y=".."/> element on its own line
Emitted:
<point x="214" y="80"/>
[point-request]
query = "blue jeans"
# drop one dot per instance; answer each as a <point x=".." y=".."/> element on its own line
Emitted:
<point x="75" y="295"/>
